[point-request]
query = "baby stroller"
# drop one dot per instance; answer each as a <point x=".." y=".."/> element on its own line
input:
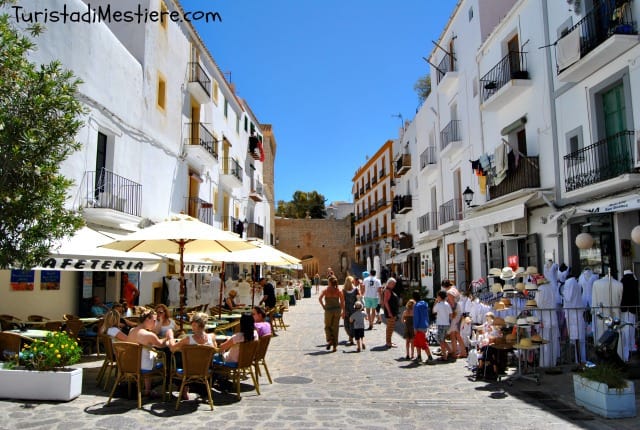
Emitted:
<point x="432" y="335"/>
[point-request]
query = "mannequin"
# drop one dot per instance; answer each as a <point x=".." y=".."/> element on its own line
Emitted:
<point x="586" y="280"/>
<point x="607" y="292"/>
<point x="629" y="306"/>
<point x="206" y="294"/>
<point x="173" y="284"/>
<point x="191" y="293"/>
<point x="216" y="284"/>
<point x="573" y="315"/>
<point x="546" y="302"/>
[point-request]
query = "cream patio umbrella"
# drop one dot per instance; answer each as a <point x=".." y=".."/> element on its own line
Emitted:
<point x="262" y="254"/>
<point x="181" y="234"/>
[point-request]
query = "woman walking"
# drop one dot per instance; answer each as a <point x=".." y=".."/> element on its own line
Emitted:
<point x="333" y="305"/>
<point x="351" y="295"/>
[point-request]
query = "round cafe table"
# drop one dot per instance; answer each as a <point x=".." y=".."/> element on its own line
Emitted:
<point x="32" y="333"/>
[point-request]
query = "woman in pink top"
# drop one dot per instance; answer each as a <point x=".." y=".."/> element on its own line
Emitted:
<point x="247" y="333"/>
<point x="262" y="327"/>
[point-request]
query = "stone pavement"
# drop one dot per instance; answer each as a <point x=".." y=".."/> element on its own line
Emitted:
<point x="317" y="389"/>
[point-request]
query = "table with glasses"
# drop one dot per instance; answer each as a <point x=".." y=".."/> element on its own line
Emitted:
<point x="32" y="333"/>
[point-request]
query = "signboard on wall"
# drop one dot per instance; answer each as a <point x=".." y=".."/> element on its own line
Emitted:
<point x="22" y="280"/>
<point x="49" y="280"/>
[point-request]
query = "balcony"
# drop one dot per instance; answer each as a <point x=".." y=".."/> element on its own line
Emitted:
<point x="428" y="157"/>
<point x="403" y="241"/>
<point x="451" y="137"/>
<point x="256" y="193"/>
<point x="367" y="187"/>
<point x="526" y="175"/>
<point x="357" y="240"/>
<point x="383" y="231"/>
<point x="507" y="80"/>
<point x="230" y="173"/>
<point x="403" y="164"/>
<point x="604" y="34"/>
<point x="200" y="146"/>
<point x="381" y="174"/>
<point x="199" y="84"/>
<point x="356" y="195"/>
<point x="368" y="237"/>
<point x="374" y="235"/>
<point x="447" y="74"/>
<point x="254" y="231"/>
<point x="200" y="209"/>
<point x="603" y="160"/>
<point x="361" y="191"/>
<point x="374" y="180"/>
<point x="450" y="211"/>
<point x="110" y="199"/>
<point x="428" y="222"/>
<point x="381" y="203"/>
<point x="402" y="204"/>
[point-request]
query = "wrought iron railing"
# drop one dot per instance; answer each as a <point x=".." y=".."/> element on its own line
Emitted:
<point x="446" y="65"/>
<point x="255" y="231"/>
<point x="450" y="133"/>
<point x="512" y="66"/>
<point x="104" y="189"/>
<point x="525" y="175"/>
<point x="402" y="204"/>
<point x="605" y="159"/>
<point x="199" y="135"/>
<point x="230" y="166"/>
<point x="428" y="156"/>
<point x="428" y="221"/>
<point x="383" y="231"/>
<point x="381" y="174"/>
<point x="200" y="209"/>
<point x="450" y="211"/>
<point x="198" y="74"/>
<point x="403" y="163"/>
<point x="604" y="20"/>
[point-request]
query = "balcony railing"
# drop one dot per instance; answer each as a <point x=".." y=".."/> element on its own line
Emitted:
<point x="605" y="159"/>
<point x="403" y="242"/>
<point x="356" y="195"/>
<point x="450" y="211"/>
<point x="381" y="203"/>
<point x="367" y="187"/>
<point x="402" y="204"/>
<point x="428" y="156"/>
<point x="374" y="235"/>
<point x="199" y="135"/>
<point x="357" y="240"/>
<point x="526" y="175"/>
<point x="381" y="174"/>
<point x="512" y="66"/>
<point x="197" y="74"/>
<point x="403" y="164"/>
<point x="368" y="237"/>
<point x="361" y="190"/>
<point x="200" y="209"/>
<point x="231" y="167"/>
<point x="374" y="180"/>
<point x="450" y="133"/>
<point x="255" y="231"/>
<point x="383" y="231"/>
<point x="428" y="221"/>
<point x="447" y="64"/>
<point x="604" y="20"/>
<point x="104" y="189"/>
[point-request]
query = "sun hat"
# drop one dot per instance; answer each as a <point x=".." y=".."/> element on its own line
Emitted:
<point x="494" y="271"/>
<point x="531" y="304"/>
<point x="498" y="306"/>
<point x="507" y="302"/>
<point x="524" y="343"/>
<point x="499" y="322"/>
<point x="365" y="274"/>
<point x="507" y="273"/>
<point x="531" y="270"/>
<point x="510" y="319"/>
<point x="520" y="286"/>
<point x="496" y="288"/>
<point x="530" y="287"/>
<point x="522" y="322"/>
<point x="357" y="305"/>
<point x="510" y="338"/>
<point x="536" y="338"/>
<point x="533" y="320"/>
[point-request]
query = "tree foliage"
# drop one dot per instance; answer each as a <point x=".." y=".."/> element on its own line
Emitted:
<point x="39" y="119"/>
<point x="303" y="203"/>
<point x="422" y="87"/>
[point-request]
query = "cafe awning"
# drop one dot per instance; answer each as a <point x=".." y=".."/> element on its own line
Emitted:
<point x="508" y="211"/>
<point x="82" y="252"/>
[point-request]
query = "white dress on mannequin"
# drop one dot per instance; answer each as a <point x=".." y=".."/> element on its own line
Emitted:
<point x="174" y="292"/>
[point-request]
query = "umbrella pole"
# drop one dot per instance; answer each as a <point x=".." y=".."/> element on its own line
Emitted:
<point x="253" y="283"/>
<point x="222" y="275"/>
<point x="182" y="285"/>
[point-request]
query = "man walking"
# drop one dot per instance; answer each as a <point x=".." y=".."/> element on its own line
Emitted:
<point x="372" y="288"/>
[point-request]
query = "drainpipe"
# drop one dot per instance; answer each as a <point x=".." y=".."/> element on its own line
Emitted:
<point x="552" y="108"/>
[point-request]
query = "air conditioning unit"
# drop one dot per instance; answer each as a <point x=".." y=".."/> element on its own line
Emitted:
<point x="513" y="228"/>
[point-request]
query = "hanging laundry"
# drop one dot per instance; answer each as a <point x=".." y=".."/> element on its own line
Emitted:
<point x="475" y="166"/>
<point x="482" y="184"/>
<point x="500" y="156"/>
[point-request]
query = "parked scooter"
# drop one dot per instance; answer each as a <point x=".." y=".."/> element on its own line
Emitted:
<point x="607" y="346"/>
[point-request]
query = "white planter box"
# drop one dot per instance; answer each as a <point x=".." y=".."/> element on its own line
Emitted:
<point x="36" y="385"/>
<point x="598" y="398"/>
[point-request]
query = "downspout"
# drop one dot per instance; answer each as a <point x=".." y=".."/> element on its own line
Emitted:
<point x="552" y="112"/>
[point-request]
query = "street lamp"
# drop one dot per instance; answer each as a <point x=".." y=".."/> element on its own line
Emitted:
<point x="467" y="195"/>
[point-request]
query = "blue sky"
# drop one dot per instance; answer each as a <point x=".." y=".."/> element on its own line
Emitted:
<point x="328" y="75"/>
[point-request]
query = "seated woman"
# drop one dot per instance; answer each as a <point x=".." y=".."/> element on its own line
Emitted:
<point x="230" y="302"/>
<point x="111" y="326"/>
<point x="259" y="315"/>
<point x="165" y="326"/>
<point x="144" y="335"/>
<point x="197" y="337"/>
<point x="231" y="347"/>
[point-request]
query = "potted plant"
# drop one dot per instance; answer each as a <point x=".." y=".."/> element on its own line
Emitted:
<point x="306" y="288"/>
<point x="283" y="299"/>
<point x="605" y="391"/>
<point x="40" y="372"/>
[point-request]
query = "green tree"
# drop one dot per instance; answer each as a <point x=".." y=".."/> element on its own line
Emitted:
<point x="39" y="119"/>
<point x="312" y="203"/>
<point x="422" y="87"/>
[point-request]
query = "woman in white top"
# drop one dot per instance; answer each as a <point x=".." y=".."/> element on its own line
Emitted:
<point x="165" y="326"/>
<point x="247" y="333"/>
<point x="110" y="326"/>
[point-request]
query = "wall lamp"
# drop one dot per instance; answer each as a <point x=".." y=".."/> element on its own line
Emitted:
<point x="467" y="196"/>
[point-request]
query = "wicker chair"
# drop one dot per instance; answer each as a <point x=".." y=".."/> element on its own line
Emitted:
<point x="238" y="370"/>
<point x="109" y="362"/>
<point x="128" y="358"/>
<point x="259" y="359"/>
<point x="11" y="344"/>
<point x="37" y="318"/>
<point x="196" y="367"/>
<point x="53" y="325"/>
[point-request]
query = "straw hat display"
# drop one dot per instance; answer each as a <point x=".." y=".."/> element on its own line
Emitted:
<point x="507" y="273"/>
<point x="507" y="302"/>
<point x="498" y="306"/>
<point x="520" y="286"/>
<point x="496" y="288"/>
<point x="531" y="304"/>
<point x="531" y="270"/>
<point x="494" y="271"/>
<point x="499" y="322"/>
<point x="510" y="338"/>
<point x="510" y="320"/>
<point x="533" y="320"/>
<point x="508" y="287"/>
<point x="525" y="343"/>
<point x="522" y="322"/>
<point x="536" y="338"/>
<point x="531" y="287"/>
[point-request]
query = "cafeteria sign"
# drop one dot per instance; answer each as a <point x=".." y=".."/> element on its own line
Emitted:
<point x="99" y="264"/>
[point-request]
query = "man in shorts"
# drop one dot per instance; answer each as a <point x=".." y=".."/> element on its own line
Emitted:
<point x="372" y="288"/>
